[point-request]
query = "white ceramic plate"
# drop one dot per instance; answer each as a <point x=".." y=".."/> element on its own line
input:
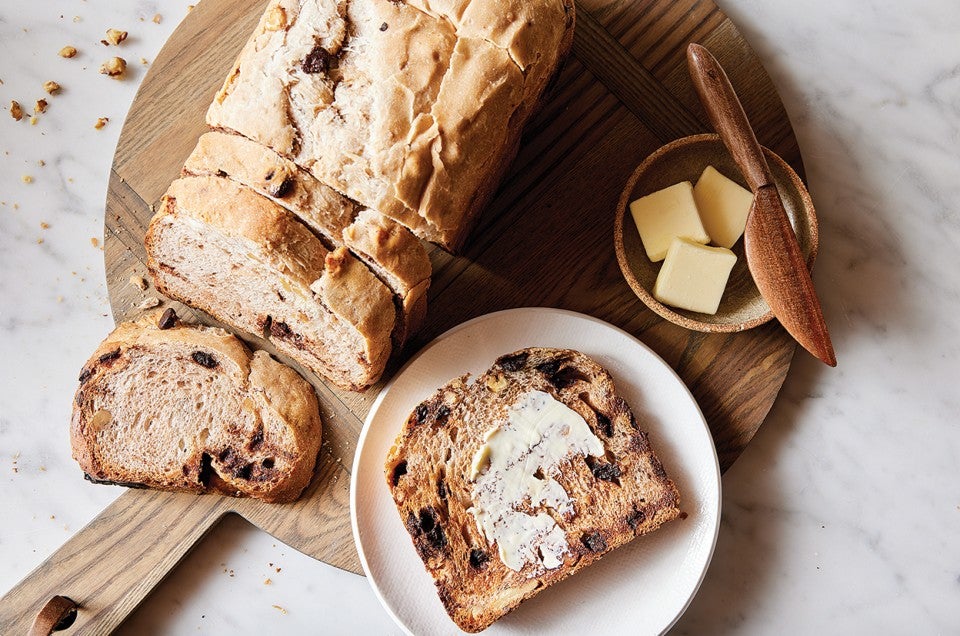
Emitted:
<point x="640" y="588"/>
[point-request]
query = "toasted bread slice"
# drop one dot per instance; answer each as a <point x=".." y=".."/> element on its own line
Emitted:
<point x="191" y="409"/>
<point x="517" y="480"/>
<point x="221" y="247"/>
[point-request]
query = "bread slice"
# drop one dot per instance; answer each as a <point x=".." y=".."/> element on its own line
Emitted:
<point x="390" y="250"/>
<point x="498" y="516"/>
<point x="189" y="408"/>
<point x="413" y="108"/>
<point x="221" y="247"/>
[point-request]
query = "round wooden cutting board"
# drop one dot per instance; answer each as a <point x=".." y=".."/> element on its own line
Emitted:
<point x="545" y="240"/>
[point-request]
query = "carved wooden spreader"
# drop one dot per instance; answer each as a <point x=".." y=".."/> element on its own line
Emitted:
<point x="545" y="240"/>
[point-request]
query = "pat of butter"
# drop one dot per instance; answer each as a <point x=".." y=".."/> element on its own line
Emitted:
<point x="693" y="276"/>
<point x="723" y="205"/>
<point x="665" y="215"/>
<point x="514" y="486"/>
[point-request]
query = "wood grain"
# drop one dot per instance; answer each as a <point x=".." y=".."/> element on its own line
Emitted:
<point x="545" y="240"/>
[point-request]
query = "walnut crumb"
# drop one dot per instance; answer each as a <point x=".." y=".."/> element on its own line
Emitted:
<point x="68" y="51"/>
<point x="40" y="106"/>
<point x="101" y="122"/>
<point x="16" y="111"/>
<point x="116" y="36"/>
<point x="139" y="282"/>
<point x="157" y="18"/>
<point x="44" y="225"/>
<point x="144" y="61"/>
<point x="41" y="162"/>
<point x="114" y="67"/>
<point x="150" y="303"/>
<point x="51" y="87"/>
<point x="267" y="581"/>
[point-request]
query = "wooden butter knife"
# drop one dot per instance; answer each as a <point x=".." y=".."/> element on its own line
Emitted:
<point x="773" y="255"/>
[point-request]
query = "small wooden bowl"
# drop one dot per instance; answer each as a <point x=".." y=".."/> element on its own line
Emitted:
<point x="741" y="307"/>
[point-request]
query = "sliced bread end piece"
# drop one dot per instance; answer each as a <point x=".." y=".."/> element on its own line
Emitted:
<point x="189" y="408"/>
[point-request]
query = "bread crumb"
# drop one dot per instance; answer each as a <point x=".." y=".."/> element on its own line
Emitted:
<point x="41" y="163"/>
<point x="94" y="241"/>
<point x="282" y="611"/>
<point x="150" y="303"/>
<point x="190" y="8"/>
<point x="33" y="120"/>
<point x="59" y="299"/>
<point x="68" y="51"/>
<point x="26" y="178"/>
<point x="40" y="106"/>
<point x="144" y="61"/>
<point x="157" y="18"/>
<point x="16" y="111"/>
<point x="116" y="36"/>
<point x="44" y="225"/>
<point x="101" y="122"/>
<point x="39" y="241"/>
<point x="267" y="581"/>
<point x="77" y="18"/>
<point x="114" y="67"/>
<point x="139" y="282"/>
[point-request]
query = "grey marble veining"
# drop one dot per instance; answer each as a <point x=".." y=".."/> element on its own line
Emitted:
<point x="843" y="515"/>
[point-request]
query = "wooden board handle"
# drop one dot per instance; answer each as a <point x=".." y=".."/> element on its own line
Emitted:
<point x="113" y="563"/>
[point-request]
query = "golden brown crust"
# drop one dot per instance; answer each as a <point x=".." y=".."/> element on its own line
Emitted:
<point x="270" y="175"/>
<point x="124" y="387"/>
<point x="392" y="252"/>
<point x="621" y="495"/>
<point x="409" y="108"/>
<point x="320" y="301"/>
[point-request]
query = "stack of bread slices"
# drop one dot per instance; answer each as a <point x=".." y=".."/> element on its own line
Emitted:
<point x="347" y="132"/>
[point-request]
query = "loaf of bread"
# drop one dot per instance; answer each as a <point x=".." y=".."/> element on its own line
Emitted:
<point x="221" y="247"/>
<point x="413" y="108"/>
<point x="515" y="481"/>
<point x="390" y="250"/>
<point x="175" y="407"/>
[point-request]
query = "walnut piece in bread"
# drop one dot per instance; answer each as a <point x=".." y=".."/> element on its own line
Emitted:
<point x="177" y="407"/>
<point x="515" y="481"/>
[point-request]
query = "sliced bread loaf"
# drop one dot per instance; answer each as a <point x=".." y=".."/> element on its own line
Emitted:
<point x="175" y="407"/>
<point x="391" y="251"/>
<point x="413" y="108"/>
<point x="517" y="480"/>
<point x="221" y="247"/>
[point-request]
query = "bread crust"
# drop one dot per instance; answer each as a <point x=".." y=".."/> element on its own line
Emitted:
<point x="391" y="251"/>
<point x="342" y="90"/>
<point x="304" y="273"/>
<point x="621" y="495"/>
<point x="270" y="457"/>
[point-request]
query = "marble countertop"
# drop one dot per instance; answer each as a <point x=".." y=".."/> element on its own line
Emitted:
<point x="842" y="516"/>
